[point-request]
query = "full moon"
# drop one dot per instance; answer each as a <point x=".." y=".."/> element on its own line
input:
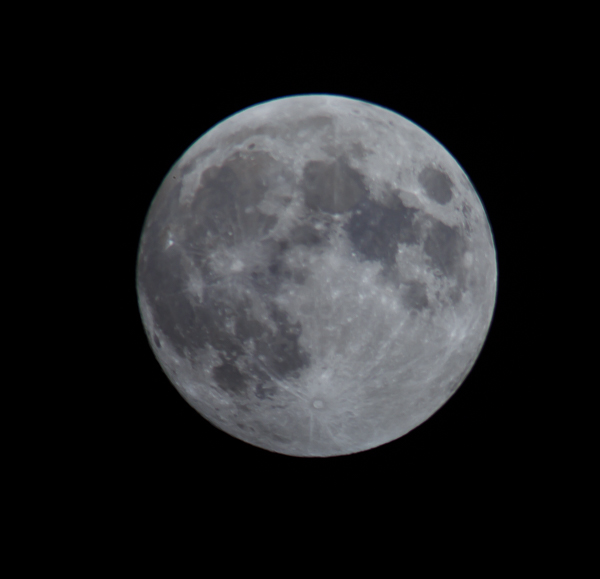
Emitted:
<point x="316" y="275"/>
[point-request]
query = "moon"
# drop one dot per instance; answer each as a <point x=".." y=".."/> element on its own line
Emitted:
<point x="316" y="275"/>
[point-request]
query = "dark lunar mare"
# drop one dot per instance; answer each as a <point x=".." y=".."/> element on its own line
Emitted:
<point x="437" y="185"/>
<point x="414" y="295"/>
<point x="223" y="212"/>
<point x="163" y="280"/>
<point x="375" y="230"/>
<point x="445" y="246"/>
<point x="333" y="187"/>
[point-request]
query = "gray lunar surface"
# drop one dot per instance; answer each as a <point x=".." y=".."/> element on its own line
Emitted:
<point x="316" y="275"/>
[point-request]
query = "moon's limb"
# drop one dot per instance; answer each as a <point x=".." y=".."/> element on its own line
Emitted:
<point x="316" y="275"/>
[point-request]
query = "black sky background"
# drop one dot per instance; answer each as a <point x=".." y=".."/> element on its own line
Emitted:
<point x="485" y="445"/>
<point x="108" y="466"/>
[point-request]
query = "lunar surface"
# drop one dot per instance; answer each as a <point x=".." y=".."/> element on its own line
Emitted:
<point x="316" y="275"/>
